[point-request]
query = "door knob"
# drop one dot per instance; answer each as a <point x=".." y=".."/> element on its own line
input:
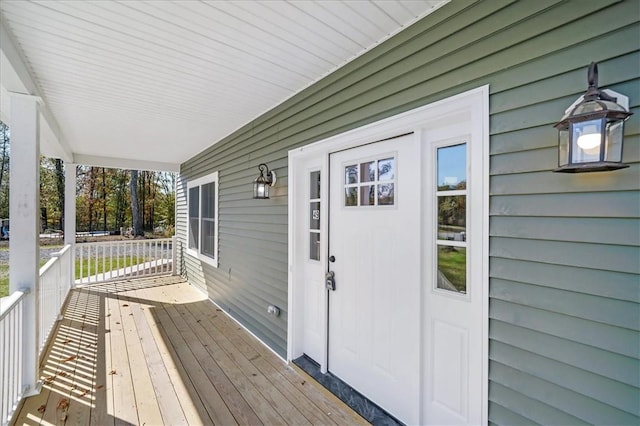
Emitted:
<point x="332" y="259"/>
<point x="330" y="281"/>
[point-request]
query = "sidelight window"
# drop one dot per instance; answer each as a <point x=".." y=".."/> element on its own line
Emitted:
<point x="451" y="201"/>
<point x="314" y="215"/>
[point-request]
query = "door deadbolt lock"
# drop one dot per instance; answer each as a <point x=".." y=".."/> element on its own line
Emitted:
<point x="331" y="281"/>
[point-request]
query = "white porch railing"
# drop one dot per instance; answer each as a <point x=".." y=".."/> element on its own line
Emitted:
<point x="11" y="354"/>
<point x="55" y="282"/>
<point x="113" y="260"/>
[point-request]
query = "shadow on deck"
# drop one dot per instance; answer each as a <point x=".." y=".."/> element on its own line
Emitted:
<point x="156" y="351"/>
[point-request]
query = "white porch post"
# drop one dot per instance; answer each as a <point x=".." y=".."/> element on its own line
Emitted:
<point x="24" y="213"/>
<point x="70" y="214"/>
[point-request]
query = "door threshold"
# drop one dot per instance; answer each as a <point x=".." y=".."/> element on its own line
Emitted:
<point x="359" y="403"/>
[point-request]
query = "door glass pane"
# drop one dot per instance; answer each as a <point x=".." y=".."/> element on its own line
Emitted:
<point x="452" y="268"/>
<point x="314" y="215"/>
<point x="386" y="195"/>
<point x="452" y="218"/>
<point x="314" y="246"/>
<point x="386" y="169"/>
<point x="368" y="172"/>
<point x="351" y="174"/>
<point x="350" y="197"/>
<point x="194" y="219"/>
<point x="368" y="195"/>
<point x="314" y="185"/>
<point x="452" y="167"/>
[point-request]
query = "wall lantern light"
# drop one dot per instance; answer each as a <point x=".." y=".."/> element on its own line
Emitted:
<point x="591" y="132"/>
<point x="263" y="182"/>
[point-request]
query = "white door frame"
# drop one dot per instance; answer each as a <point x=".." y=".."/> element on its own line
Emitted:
<point x="475" y="105"/>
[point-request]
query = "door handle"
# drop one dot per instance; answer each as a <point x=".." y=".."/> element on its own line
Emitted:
<point x="330" y="281"/>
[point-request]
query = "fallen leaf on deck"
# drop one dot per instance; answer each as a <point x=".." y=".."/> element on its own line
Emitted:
<point x="70" y="358"/>
<point x="84" y="392"/>
<point x="117" y="322"/>
<point x="112" y="372"/>
<point x="62" y="374"/>
<point x="99" y="387"/>
<point x="63" y="404"/>
<point x="67" y="341"/>
<point x="42" y="408"/>
<point x="108" y="315"/>
<point x="125" y="305"/>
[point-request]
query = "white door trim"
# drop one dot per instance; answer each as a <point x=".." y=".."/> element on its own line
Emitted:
<point x="473" y="103"/>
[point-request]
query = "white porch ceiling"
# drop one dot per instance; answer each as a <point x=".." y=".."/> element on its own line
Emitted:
<point x="129" y="82"/>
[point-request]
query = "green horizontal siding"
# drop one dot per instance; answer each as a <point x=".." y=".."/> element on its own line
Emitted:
<point x="564" y="249"/>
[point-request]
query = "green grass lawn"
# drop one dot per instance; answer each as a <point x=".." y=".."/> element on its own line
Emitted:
<point x="4" y="278"/>
<point x="452" y="262"/>
<point x="114" y="263"/>
<point x="109" y="265"/>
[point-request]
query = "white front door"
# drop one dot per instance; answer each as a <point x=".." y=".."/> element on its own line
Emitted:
<point x="374" y="311"/>
<point x="404" y="228"/>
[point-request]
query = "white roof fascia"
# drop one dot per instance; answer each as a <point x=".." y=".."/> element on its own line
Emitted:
<point x="125" y="163"/>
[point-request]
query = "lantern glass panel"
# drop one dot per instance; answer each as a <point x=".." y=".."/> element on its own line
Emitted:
<point x="563" y="147"/>
<point x="613" y="147"/>
<point x="586" y="141"/>
<point x="260" y="189"/>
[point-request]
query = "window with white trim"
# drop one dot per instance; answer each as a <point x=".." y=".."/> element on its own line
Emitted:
<point x="202" y="228"/>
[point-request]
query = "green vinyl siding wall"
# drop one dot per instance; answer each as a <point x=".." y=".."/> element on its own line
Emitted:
<point x="564" y="249"/>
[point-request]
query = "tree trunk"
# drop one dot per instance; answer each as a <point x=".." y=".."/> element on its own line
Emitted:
<point x="60" y="190"/>
<point x="104" y="200"/>
<point x="135" y="208"/>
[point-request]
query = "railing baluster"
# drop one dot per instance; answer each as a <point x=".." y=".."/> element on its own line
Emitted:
<point x="132" y="258"/>
<point x="80" y="249"/>
<point x="11" y="351"/>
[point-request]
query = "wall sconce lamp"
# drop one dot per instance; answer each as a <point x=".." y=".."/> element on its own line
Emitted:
<point x="591" y="132"/>
<point x="263" y="182"/>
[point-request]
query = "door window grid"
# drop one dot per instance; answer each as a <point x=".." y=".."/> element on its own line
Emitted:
<point x="314" y="215"/>
<point x="451" y="220"/>
<point x="370" y="183"/>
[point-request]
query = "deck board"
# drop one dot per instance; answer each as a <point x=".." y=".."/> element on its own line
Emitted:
<point x="157" y="351"/>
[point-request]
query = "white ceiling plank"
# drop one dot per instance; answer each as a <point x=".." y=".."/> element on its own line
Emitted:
<point x="134" y="79"/>
<point x="14" y="67"/>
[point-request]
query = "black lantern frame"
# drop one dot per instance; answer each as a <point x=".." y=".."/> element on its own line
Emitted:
<point x="591" y="133"/>
<point x="262" y="183"/>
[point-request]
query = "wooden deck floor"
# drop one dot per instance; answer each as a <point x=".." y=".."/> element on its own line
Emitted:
<point x="156" y="351"/>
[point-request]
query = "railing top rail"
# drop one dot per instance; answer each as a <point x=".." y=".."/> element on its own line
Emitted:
<point x="7" y="303"/>
<point x="54" y="258"/>
<point x="62" y="252"/>
<point x="146" y="240"/>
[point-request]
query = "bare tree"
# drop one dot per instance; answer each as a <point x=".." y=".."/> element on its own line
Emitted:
<point x="135" y="208"/>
